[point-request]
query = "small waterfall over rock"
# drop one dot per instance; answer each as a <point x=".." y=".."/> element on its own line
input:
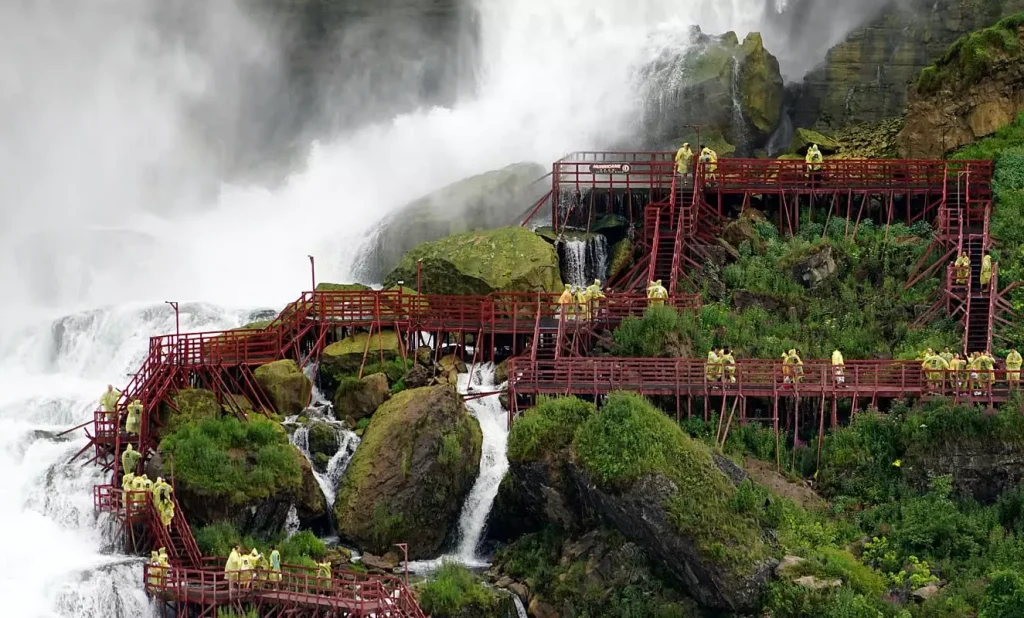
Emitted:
<point x="520" y="610"/>
<point x="783" y="135"/>
<point x="583" y="258"/>
<point x="346" y="442"/>
<point x="738" y="123"/>
<point x="493" y="421"/>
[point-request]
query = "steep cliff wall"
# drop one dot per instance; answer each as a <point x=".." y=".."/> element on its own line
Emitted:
<point x="866" y="77"/>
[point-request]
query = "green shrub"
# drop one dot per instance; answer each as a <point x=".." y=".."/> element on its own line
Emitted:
<point x="1004" y="597"/>
<point x="648" y="336"/>
<point x="547" y="428"/>
<point x="452" y="591"/>
<point x="302" y="544"/>
<point x="226" y="458"/>
<point x="450" y="452"/>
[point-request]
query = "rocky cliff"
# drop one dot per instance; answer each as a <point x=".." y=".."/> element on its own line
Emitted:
<point x="976" y="87"/>
<point x="867" y="76"/>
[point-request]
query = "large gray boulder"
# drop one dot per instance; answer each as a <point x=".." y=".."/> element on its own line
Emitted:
<point x="483" y="202"/>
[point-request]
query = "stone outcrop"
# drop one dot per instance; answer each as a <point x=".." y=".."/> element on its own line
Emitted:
<point x="358" y="399"/>
<point x="408" y="478"/>
<point x="981" y="470"/>
<point x="700" y="87"/>
<point x="287" y="388"/>
<point x="483" y="202"/>
<point x="866" y="77"/>
<point x="976" y="88"/>
<point x="815" y="268"/>
<point x="511" y="259"/>
<point x="342" y="358"/>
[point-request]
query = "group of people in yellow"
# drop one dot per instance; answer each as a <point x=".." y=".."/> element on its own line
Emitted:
<point x="684" y="160"/>
<point x="813" y="159"/>
<point x="108" y="403"/>
<point x="242" y="568"/>
<point x="962" y="269"/>
<point x="975" y="373"/>
<point x="577" y="301"/>
<point x="158" y="568"/>
<point x="136" y="487"/>
<point x="721" y="366"/>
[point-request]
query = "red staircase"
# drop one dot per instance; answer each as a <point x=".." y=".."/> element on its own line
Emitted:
<point x="177" y="538"/>
<point x="660" y="223"/>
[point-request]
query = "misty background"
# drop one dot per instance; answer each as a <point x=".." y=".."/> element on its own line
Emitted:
<point x="153" y="148"/>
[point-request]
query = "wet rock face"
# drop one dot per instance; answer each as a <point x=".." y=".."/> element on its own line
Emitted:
<point x="866" y="77"/>
<point x="814" y="269"/>
<point x="949" y="108"/>
<point x="702" y="85"/>
<point x="482" y="202"/>
<point x="981" y="470"/>
<point x="407" y="480"/>
<point x="358" y="399"/>
<point x="343" y="358"/>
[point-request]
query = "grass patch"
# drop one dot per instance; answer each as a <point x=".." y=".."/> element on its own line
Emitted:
<point x="973" y="56"/>
<point x="453" y="591"/>
<point x="628" y="439"/>
<point x="547" y="428"/>
<point x="226" y="458"/>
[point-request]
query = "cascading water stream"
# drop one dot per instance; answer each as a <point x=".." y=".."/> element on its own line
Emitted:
<point x="493" y="466"/>
<point x="739" y="125"/>
<point x="347" y="443"/>
<point x="583" y="259"/>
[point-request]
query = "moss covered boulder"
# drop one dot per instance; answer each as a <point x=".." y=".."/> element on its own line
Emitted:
<point x="483" y="202"/>
<point x="511" y="259"/>
<point x="407" y="480"/>
<point x="803" y="138"/>
<point x="286" y="386"/>
<point x="193" y="405"/>
<point x="343" y="358"/>
<point x="702" y="84"/>
<point x="342" y="287"/>
<point x="357" y="399"/>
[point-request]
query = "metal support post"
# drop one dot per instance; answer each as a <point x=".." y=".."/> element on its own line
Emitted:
<point x="177" y="316"/>
<point x="312" y="272"/>
<point x="405" y="550"/>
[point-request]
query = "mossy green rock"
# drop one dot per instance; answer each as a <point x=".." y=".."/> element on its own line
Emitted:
<point x="193" y="405"/>
<point x="343" y="358"/>
<point x="511" y="259"/>
<point x="356" y="399"/>
<point x="621" y="255"/>
<point x="483" y="202"/>
<point x="287" y="388"/>
<point x="803" y="138"/>
<point x="407" y="480"/>
<point x="322" y="439"/>
<point x="342" y="287"/>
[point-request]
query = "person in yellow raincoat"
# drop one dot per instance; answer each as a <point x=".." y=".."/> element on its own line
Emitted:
<point x="582" y="306"/>
<point x="935" y="367"/>
<point x="710" y="160"/>
<point x="108" y="401"/>
<point x="987" y="366"/>
<point x="1013" y="364"/>
<point x="947" y="355"/>
<point x="838" y="367"/>
<point x="656" y="294"/>
<point x="233" y="565"/>
<point x="986" y="271"/>
<point x="275" y="564"/>
<point x="141" y="485"/>
<point x="245" y="569"/>
<point x="162" y="501"/>
<point x="593" y="296"/>
<point x="127" y="485"/>
<point x="684" y="160"/>
<point x="565" y="303"/>
<point x="713" y="367"/>
<point x="155" y="578"/>
<point x="813" y="161"/>
<point x="958" y="366"/>
<point x="130" y="459"/>
<point x="796" y="365"/>
<point x="962" y="267"/>
<point x="134" y="420"/>
<point x="728" y="366"/>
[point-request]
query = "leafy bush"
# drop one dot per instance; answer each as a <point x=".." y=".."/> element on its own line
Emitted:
<point x="1004" y="597"/>
<point x="649" y="336"/>
<point x="454" y="590"/>
<point x="547" y="428"/>
<point x="226" y="458"/>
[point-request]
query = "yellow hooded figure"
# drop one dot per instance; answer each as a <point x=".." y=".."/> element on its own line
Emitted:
<point x="986" y="271"/>
<point x="684" y="159"/>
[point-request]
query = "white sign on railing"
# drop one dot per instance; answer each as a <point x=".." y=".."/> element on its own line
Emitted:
<point x="610" y="168"/>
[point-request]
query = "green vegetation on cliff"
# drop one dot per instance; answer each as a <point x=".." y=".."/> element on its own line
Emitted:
<point x="454" y="592"/>
<point x="973" y="56"/>
<point x="547" y="428"/>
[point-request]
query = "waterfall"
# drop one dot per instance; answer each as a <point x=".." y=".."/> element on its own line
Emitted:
<point x="347" y="442"/>
<point x="520" y="610"/>
<point x="738" y="122"/>
<point x="63" y="559"/>
<point x="574" y="261"/>
<point x="782" y="136"/>
<point x="493" y="421"/>
<point x="583" y="258"/>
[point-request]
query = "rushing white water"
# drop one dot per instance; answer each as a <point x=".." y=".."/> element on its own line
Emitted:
<point x="347" y="443"/>
<point x="574" y="262"/>
<point x="493" y="421"/>
<point x="50" y="377"/>
<point x="110" y="196"/>
<point x="520" y="610"/>
<point x="738" y="124"/>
